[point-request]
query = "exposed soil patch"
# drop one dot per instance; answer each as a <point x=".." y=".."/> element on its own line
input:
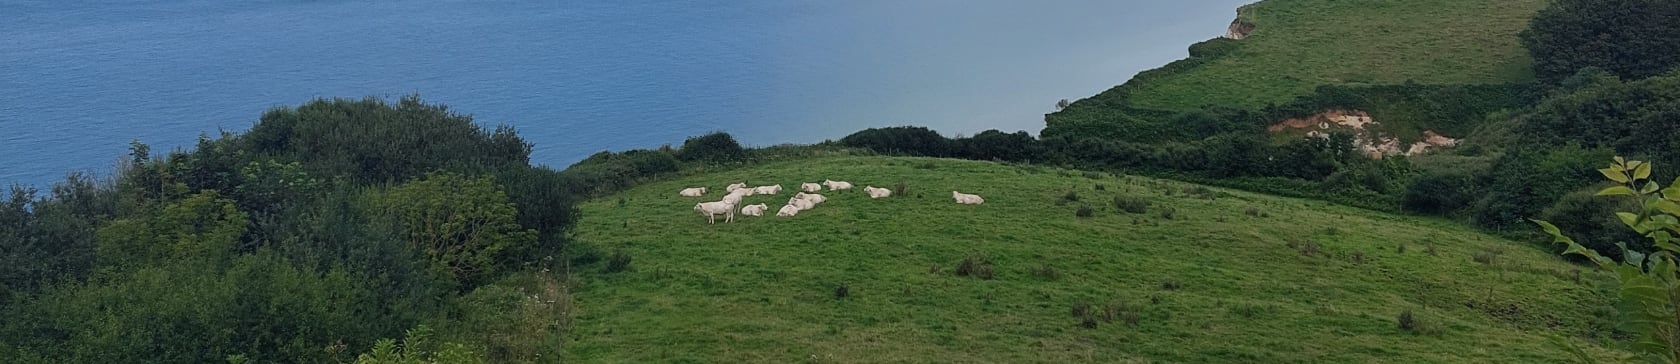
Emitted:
<point x="1370" y="144"/>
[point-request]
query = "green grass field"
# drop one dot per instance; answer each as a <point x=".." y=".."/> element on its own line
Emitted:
<point x="1223" y="280"/>
<point x="1301" y="44"/>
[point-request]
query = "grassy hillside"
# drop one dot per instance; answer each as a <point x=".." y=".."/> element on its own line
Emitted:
<point x="1229" y="278"/>
<point x="1301" y="44"/>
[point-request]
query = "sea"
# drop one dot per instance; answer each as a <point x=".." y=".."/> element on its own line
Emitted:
<point x="82" y="79"/>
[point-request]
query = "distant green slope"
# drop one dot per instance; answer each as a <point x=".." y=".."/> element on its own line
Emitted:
<point x="1300" y="44"/>
<point x="1214" y="283"/>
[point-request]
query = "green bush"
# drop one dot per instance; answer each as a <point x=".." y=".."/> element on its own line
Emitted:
<point x="1593" y="218"/>
<point x="714" y="148"/>
<point x="371" y="140"/>
<point x="996" y="145"/>
<point x="50" y="239"/>
<point x="1129" y="204"/>
<point x="618" y="262"/>
<point x="975" y="266"/>
<point x="1214" y="48"/>
<point x="1438" y="193"/>
<point x="607" y="172"/>
<point x="1070" y="196"/>
<point x="462" y="224"/>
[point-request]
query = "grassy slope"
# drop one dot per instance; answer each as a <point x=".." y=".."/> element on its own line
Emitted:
<point x="1300" y="44"/>
<point x="761" y="289"/>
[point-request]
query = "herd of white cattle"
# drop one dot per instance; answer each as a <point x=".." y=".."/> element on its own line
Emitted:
<point x="805" y="199"/>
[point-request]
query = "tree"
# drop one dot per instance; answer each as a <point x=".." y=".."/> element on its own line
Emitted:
<point x="1649" y="285"/>
<point x="714" y="147"/>
<point x="49" y="239"/>
<point x="910" y="140"/>
<point x="1633" y="39"/>
<point x="370" y="140"/>
<point x="994" y="144"/>
<point x="203" y="226"/>
<point x="461" y="223"/>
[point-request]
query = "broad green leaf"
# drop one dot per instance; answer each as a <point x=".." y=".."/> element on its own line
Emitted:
<point x="1665" y="241"/>
<point x="1663" y="267"/>
<point x="1548" y="227"/>
<point x="1629" y="218"/>
<point x="1672" y="193"/>
<point x="1614" y="175"/>
<point x="1643" y="171"/>
<point x="1632" y="257"/>
<point x="1649" y="188"/>
<point x="1668" y="207"/>
<point x="1616" y="191"/>
<point x="1663" y="221"/>
<point x="1590" y="254"/>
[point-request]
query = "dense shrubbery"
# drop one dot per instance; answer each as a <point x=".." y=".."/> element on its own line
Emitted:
<point x="1601" y="111"/>
<point x="1593" y="220"/>
<point x="1224" y="155"/>
<point x="1630" y="38"/>
<point x="712" y="148"/>
<point x="906" y="140"/>
<point x="1566" y="134"/>
<point x="49" y="239"/>
<point x="1644" y="281"/>
<point x="1406" y="110"/>
<point x="326" y="227"/>
<point x="1439" y="193"/>
<point x="371" y="141"/>
<point x="606" y="171"/>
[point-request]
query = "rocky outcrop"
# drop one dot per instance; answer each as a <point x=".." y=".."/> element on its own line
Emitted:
<point x="1239" y="29"/>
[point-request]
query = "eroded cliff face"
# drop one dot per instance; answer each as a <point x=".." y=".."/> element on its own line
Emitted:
<point x="1239" y="29"/>
<point x="1368" y="141"/>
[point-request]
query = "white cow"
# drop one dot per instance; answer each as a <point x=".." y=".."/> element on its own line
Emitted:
<point x="754" y="210"/>
<point x="712" y="209"/>
<point x="734" y="198"/>
<point x="802" y="204"/>
<point x="810" y="187"/>
<point x="735" y="186"/>
<point x="788" y="211"/>
<point x="837" y="185"/>
<point x="875" y="192"/>
<point x="693" y="192"/>
<point x="814" y="198"/>
<point x="967" y="199"/>
<point x="767" y="190"/>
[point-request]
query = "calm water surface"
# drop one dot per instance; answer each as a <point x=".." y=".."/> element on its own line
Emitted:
<point x="80" y="79"/>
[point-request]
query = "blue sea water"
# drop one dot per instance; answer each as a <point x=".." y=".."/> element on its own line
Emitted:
<point x="79" y="80"/>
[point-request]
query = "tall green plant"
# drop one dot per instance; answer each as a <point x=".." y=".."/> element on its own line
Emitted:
<point x="461" y="223"/>
<point x="1649" y="289"/>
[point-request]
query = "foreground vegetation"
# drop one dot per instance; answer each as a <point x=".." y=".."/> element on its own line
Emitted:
<point x="395" y="231"/>
<point x="1197" y="275"/>
<point x="298" y="241"/>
